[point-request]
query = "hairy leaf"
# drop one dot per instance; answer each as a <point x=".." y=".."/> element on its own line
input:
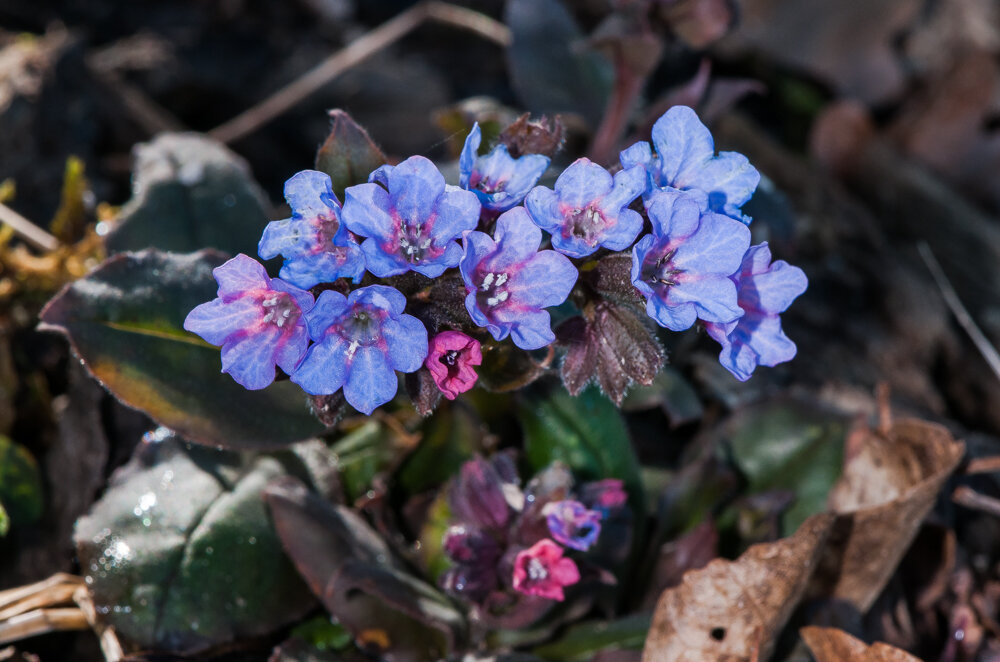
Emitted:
<point x="348" y="154"/>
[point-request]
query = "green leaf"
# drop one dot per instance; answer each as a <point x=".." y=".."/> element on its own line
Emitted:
<point x="4" y="522"/>
<point x="21" y="493"/>
<point x="450" y="437"/>
<point x="322" y="634"/>
<point x="586" y="432"/>
<point x="348" y="154"/>
<point x="584" y="640"/>
<point x="179" y="553"/>
<point x="552" y="68"/>
<point x="125" y="320"/>
<point x="190" y="192"/>
<point x="789" y="445"/>
<point x="361" y="455"/>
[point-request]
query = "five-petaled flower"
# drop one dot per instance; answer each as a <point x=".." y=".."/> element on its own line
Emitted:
<point x="543" y="571"/>
<point x="765" y="291"/>
<point x="498" y="179"/>
<point x="573" y="524"/>
<point x="314" y="242"/>
<point x="589" y="209"/>
<point x="683" y="268"/>
<point x="411" y="218"/>
<point x="451" y="361"/>
<point x="257" y="321"/>
<point x="509" y="281"/>
<point x="361" y="340"/>
<point x="685" y="159"/>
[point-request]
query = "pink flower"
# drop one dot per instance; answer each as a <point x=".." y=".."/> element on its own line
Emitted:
<point x="541" y="570"/>
<point x="451" y="359"/>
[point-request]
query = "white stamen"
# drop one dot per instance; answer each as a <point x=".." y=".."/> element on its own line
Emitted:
<point x="488" y="281"/>
<point x="501" y="279"/>
<point x="536" y="571"/>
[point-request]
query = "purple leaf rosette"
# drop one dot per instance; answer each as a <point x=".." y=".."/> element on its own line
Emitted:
<point x="589" y="208"/>
<point x="499" y="180"/>
<point x="257" y="320"/>
<point x="314" y="242"/>
<point x="509" y="282"/>
<point x="361" y="340"/>
<point x="411" y="219"/>
<point x="765" y="290"/>
<point x="683" y="267"/>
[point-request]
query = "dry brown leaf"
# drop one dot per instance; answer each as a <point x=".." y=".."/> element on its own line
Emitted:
<point x="890" y="482"/>
<point x="731" y="611"/>
<point x="833" y="645"/>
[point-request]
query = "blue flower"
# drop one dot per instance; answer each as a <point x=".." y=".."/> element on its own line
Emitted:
<point x="316" y="246"/>
<point x="683" y="268"/>
<point x="589" y="208"/>
<point x="765" y="291"/>
<point x="572" y="524"/>
<point x="257" y="321"/>
<point x="685" y="160"/>
<point x="499" y="180"/>
<point x="411" y="218"/>
<point x="361" y="340"/>
<point x="509" y="281"/>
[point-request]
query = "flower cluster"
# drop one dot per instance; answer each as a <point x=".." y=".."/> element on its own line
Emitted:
<point x="505" y="541"/>
<point x="689" y="242"/>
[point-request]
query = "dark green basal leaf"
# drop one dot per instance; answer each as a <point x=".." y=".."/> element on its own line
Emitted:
<point x="22" y="499"/>
<point x="323" y="634"/>
<point x="586" y="432"/>
<point x="551" y="66"/>
<point x="361" y="455"/>
<point x="125" y="320"/>
<point x="348" y="154"/>
<point x="189" y="193"/>
<point x="450" y="437"/>
<point x="789" y="445"/>
<point x="581" y="642"/>
<point x="179" y="553"/>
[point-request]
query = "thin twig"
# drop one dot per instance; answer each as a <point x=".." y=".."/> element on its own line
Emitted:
<point x="50" y="597"/>
<point x="968" y="497"/>
<point x="149" y="115"/>
<point x="42" y="621"/>
<point x="980" y="340"/>
<point x="12" y="595"/>
<point x="110" y="645"/>
<point x="983" y="465"/>
<point x="27" y="230"/>
<point x="353" y="54"/>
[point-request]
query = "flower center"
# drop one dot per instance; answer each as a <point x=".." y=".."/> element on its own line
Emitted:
<point x="586" y="224"/>
<point x="662" y="270"/>
<point x="281" y="310"/>
<point x="487" y="185"/>
<point x="493" y="290"/>
<point x="363" y="327"/>
<point x="413" y="243"/>
<point x="450" y="357"/>
<point x="327" y="230"/>
<point x="537" y="571"/>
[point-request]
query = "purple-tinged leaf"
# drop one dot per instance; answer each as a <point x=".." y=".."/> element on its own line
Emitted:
<point x="348" y="154"/>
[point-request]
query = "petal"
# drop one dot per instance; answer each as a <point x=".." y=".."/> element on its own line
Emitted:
<point x="470" y="150"/>
<point x="381" y="263"/>
<point x="573" y="246"/>
<point x="477" y="315"/>
<point x="717" y="247"/>
<point x="623" y="232"/>
<point x="779" y="287"/>
<point x="433" y="268"/>
<point x="639" y="253"/>
<point x="325" y="267"/>
<point x="770" y="342"/>
<point x="676" y="317"/>
<point x="291" y="348"/>
<point x="544" y="280"/>
<point x="564" y="572"/>
<point x="673" y="214"/>
<point x="729" y="179"/>
<point x="415" y="186"/>
<point x="406" y="338"/>
<point x="583" y="182"/>
<point x="457" y="211"/>
<point x="330" y="307"/>
<point x="517" y="239"/>
<point x="303" y="299"/>
<point x="216" y="320"/>
<point x="639" y="154"/>
<point x="290" y="238"/>
<point x="380" y="296"/>
<point x="380" y="175"/>
<point x="249" y="358"/>
<point x="543" y="206"/>
<point x="628" y="185"/>
<point x="367" y="211"/>
<point x="739" y="359"/>
<point x="532" y="330"/>
<point x="240" y="274"/>
<point x="714" y="296"/>
<point x="527" y="170"/>
<point x="683" y="144"/>
<point x="309" y="193"/>
<point x="370" y="379"/>
<point x="324" y="367"/>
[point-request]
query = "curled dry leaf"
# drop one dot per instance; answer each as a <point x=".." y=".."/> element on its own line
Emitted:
<point x="732" y="611"/>
<point x="833" y="645"/>
<point x="890" y="482"/>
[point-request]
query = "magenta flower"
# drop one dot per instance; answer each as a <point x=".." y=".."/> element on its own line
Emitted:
<point x="765" y="290"/>
<point x="451" y="361"/>
<point x="411" y="218"/>
<point x="683" y="268"/>
<point x="499" y="180"/>
<point x="589" y="208"/>
<point x="572" y="524"/>
<point x="257" y="321"/>
<point x="604" y="495"/>
<point x="541" y="570"/>
<point x="316" y="246"/>
<point x="510" y="282"/>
